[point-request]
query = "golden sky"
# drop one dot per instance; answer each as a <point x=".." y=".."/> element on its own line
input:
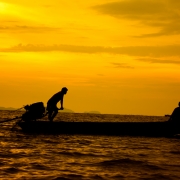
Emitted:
<point x="118" y="57"/>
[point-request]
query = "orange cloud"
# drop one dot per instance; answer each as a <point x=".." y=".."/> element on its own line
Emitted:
<point x="161" y="14"/>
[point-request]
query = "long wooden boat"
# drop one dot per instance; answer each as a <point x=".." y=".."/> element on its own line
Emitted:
<point x="151" y="129"/>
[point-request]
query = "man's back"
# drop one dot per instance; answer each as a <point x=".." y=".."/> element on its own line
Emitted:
<point x="55" y="98"/>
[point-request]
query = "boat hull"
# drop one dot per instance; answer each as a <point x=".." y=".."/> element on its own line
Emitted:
<point x="153" y="129"/>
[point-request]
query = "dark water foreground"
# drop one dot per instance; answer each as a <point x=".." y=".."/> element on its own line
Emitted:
<point x="80" y="157"/>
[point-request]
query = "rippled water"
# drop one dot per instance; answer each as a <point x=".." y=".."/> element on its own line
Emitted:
<point x="80" y="157"/>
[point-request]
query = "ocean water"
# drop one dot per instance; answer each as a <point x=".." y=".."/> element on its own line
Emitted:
<point x="85" y="157"/>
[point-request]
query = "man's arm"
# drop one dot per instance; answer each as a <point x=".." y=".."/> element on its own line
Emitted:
<point x="61" y="103"/>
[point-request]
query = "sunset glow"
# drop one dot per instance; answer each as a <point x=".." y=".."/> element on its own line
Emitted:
<point x="119" y="57"/>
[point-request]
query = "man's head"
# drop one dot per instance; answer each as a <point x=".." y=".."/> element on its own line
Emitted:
<point x="64" y="90"/>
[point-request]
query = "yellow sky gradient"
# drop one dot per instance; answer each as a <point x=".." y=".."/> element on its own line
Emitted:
<point x="119" y="57"/>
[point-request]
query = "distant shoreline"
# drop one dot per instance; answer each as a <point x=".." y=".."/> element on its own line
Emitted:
<point x="8" y="108"/>
<point x="85" y="112"/>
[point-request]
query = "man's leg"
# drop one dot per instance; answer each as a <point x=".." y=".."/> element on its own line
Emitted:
<point x="54" y="114"/>
<point x="50" y="112"/>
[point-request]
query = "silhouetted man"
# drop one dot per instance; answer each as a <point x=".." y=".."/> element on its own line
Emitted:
<point x="175" y="116"/>
<point x="52" y="103"/>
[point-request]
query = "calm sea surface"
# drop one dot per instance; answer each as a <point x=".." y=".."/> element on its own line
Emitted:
<point x="80" y="157"/>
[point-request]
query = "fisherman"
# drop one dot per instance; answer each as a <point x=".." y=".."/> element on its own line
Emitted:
<point x="175" y="116"/>
<point x="52" y="103"/>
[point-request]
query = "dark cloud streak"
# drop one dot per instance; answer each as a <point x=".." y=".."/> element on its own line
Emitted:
<point x="27" y="29"/>
<point x="150" y="54"/>
<point x="149" y="51"/>
<point x="160" y="61"/>
<point x="122" y="65"/>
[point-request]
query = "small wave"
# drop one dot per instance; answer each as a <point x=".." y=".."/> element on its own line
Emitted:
<point x="97" y="177"/>
<point x="118" y="176"/>
<point x="129" y="162"/>
<point x="160" y="177"/>
<point x="69" y="177"/>
<point x="11" y="170"/>
<point x="119" y="162"/>
<point x="175" y="152"/>
<point x="61" y="178"/>
<point x="38" y="166"/>
<point x="11" y="155"/>
<point x="79" y="154"/>
<point x="49" y="141"/>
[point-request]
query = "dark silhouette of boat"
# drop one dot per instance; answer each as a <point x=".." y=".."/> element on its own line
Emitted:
<point x="31" y="122"/>
<point x="151" y="129"/>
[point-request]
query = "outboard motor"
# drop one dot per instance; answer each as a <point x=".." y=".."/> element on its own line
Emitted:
<point x="34" y="111"/>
